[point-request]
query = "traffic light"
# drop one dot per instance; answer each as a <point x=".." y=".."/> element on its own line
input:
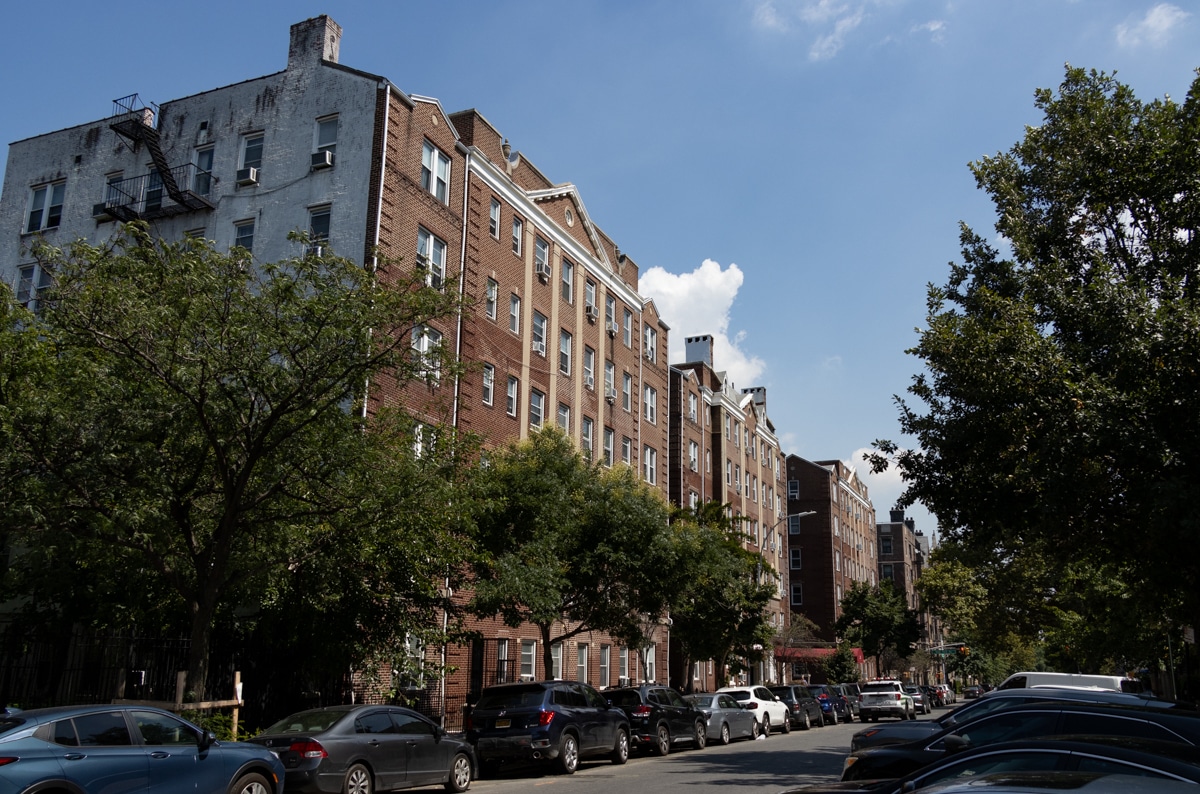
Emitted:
<point x="964" y="650"/>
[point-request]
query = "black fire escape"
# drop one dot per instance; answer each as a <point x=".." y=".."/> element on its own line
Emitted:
<point x="164" y="192"/>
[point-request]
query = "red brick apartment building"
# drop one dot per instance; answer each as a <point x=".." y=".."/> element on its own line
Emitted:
<point x="558" y="334"/>
<point x="830" y="544"/>
<point x="724" y="449"/>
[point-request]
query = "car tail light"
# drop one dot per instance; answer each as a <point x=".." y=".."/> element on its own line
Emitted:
<point x="308" y="749"/>
<point x="641" y="711"/>
<point x="823" y="697"/>
<point x="468" y="723"/>
<point x="899" y="696"/>
<point x="545" y="717"/>
<point x="752" y="705"/>
<point x="5" y="760"/>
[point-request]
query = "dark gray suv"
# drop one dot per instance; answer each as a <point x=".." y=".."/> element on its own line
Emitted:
<point x="803" y="709"/>
<point x="556" y="721"/>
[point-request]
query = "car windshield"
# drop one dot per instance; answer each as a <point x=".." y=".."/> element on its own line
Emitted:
<point x="625" y="697"/>
<point x="314" y="721"/>
<point x="700" y="700"/>
<point x="10" y="724"/>
<point x="739" y="694"/>
<point x="512" y="697"/>
<point x="879" y="688"/>
<point x="817" y="691"/>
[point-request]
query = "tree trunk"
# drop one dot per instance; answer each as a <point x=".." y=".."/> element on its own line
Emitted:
<point x="203" y="611"/>
<point x="547" y="657"/>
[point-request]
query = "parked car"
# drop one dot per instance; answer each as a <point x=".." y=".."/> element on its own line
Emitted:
<point x="803" y="708"/>
<point x="726" y="718"/>
<point x="933" y="696"/>
<point x="1025" y="722"/>
<point x="127" y="748"/>
<point x="921" y="704"/>
<point x="834" y="708"/>
<point x="1116" y="683"/>
<point x="555" y="721"/>
<point x="367" y="748"/>
<point x="900" y="732"/>
<point x="972" y="692"/>
<point x="659" y="717"/>
<point x="949" y="697"/>
<point x="885" y="698"/>
<point x="770" y="710"/>
<point x="851" y="692"/>
<point x="1071" y="763"/>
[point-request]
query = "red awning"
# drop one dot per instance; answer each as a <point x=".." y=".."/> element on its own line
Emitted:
<point x="813" y="654"/>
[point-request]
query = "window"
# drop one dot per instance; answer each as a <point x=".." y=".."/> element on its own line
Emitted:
<point x="511" y="392"/>
<point x="837" y="560"/>
<point x="252" y="150"/>
<point x="556" y="661"/>
<point x="502" y="661"/>
<point x="243" y="234"/>
<point x="793" y="489"/>
<point x="623" y="665"/>
<point x="610" y="382"/>
<point x="885" y="545"/>
<point x="650" y="343"/>
<point x="589" y="367"/>
<point x="737" y="478"/>
<point x="627" y="391"/>
<point x="202" y="178"/>
<point x="537" y="408"/>
<point x="793" y="525"/>
<point x="693" y="455"/>
<point x="494" y="219"/>
<point x="435" y="172"/>
<point x="564" y="352"/>
<point x="610" y="311"/>
<point x="318" y="230"/>
<point x="626" y="450"/>
<point x="45" y="207"/>
<point x="514" y="314"/>
<point x="586" y="430"/>
<point x="693" y="500"/>
<point x="154" y="190"/>
<point x="32" y="280"/>
<point x="692" y="407"/>
<point x="489" y="383"/>
<point x="648" y="651"/>
<point x="568" y="281"/>
<point x="797" y="593"/>
<point x="707" y="461"/>
<point x="160" y="730"/>
<point x="589" y="293"/>
<point x="886" y="572"/>
<point x="426" y="344"/>
<point x="650" y="465"/>
<point x="728" y="472"/>
<point x="490" y="297"/>
<point x="628" y="328"/>
<point x="528" y="656"/>
<point x="517" y="227"/>
<point x="650" y="404"/>
<point x="605" y="660"/>
<point x="581" y="663"/>
<point x="326" y="132"/>
<point x="608" y="446"/>
<point x="541" y="256"/>
<point x="539" y="333"/>
<point x="564" y="417"/>
<point x="431" y="257"/>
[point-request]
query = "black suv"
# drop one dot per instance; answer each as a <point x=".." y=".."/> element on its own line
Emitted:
<point x="803" y="709"/>
<point x="1025" y="722"/>
<point x="659" y="717"/>
<point x="558" y="721"/>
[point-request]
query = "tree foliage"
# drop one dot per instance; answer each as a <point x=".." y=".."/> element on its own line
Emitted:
<point x="568" y="545"/>
<point x="877" y="619"/>
<point x="187" y="428"/>
<point x="1058" y="437"/>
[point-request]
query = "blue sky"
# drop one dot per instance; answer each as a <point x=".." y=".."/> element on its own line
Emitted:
<point x="788" y="174"/>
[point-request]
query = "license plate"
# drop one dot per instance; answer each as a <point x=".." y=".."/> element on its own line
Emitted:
<point x="503" y="723"/>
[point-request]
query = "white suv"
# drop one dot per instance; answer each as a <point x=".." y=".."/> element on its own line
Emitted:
<point x="885" y="698"/>
<point x="769" y="710"/>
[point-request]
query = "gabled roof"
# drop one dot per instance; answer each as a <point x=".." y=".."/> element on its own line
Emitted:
<point x="570" y="192"/>
<point x="445" y="116"/>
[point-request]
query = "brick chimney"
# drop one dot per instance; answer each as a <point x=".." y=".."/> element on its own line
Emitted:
<point x="314" y="40"/>
<point x="699" y="348"/>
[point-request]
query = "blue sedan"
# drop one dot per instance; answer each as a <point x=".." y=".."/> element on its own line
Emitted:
<point x="125" y="749"/>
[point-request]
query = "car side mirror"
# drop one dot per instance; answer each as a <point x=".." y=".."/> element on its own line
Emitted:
<point x="207" y="740"/>
<point x="955" y="744"/>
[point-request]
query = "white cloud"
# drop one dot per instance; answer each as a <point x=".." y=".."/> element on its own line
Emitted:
<point x="831" y="363"/>
<point x="830" y="20"/>
<point x="936" y="29"/>
<point x="1153" y="29"/>
<point x="699" y="303"/>
<point x="827" y="46"/>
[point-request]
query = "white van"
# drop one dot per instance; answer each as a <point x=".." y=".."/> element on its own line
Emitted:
<point x="1113" y="683"/>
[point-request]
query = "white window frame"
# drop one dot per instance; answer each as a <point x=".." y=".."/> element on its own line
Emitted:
<point x="610" y="437"/>
<point x="692" y="401"/>
<point x="431" y="256"/>
<point x="514" y="313"/>
<point x="489" y="383"/>
<point x="627" y="328"/>
<point x="650" y="343"/>
<point x="537" y="408"/>
<point x="202" y="176"/>
<point x="563" y="417"/>
<point x="589" y="368"/>
<point x="541" y="255"/>
<point x="586" y="433"/>
<point x="323" y="139"/>
<point x="650" y="404"/>
<point x="318" y="239"/>
<point x="518" y="230"/>
<point x="240" y="236"/>
<point x="626" y="391"/>
<point x="250" y="153"/>
<point x="581" y="662"/>
<point x="627" y="450"/>
<point x="650" y="465"/>
<point x="31" y="281"/>
<point x="693" y="456"/>
<point x="605" y="665"/>
<point x="539" y="334"/>
<point x="623" y="665"/>
<point x="589" y="293"/>
<point x="528" y="659"/>
<point x="564" y="351"/>
<point x="490" y="298"/>
<point x="556" y="661"/>
<point x="435" y="172"/>
<point x="567" y="269"/>
<point x="45" y="207"/>
<point x="512" y="395"/>
<point x="494" y="219"/>
<point x="426" y="342"/>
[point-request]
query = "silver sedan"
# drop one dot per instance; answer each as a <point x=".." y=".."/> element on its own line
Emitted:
<point x="727" y="720"/>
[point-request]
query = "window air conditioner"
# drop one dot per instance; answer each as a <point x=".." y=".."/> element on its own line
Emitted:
<point x="247" y="176"/>
<point x="539" y="347"/>
<point x="612" y="328"/>
<point x="543" y="271"/>
<point x="592" y="313"/>
<point x="610" y="395"/>
<point x="322" y="159"/>
<point x="589" y="381"/>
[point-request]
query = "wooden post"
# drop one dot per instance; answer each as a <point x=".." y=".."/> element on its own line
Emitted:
<point x="180" y="682"/>
<point x="237" y="695"/>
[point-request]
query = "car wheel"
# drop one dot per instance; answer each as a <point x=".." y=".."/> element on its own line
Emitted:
<point x="620" y="753"/>
<point x="460" y="774"/>
<point x="701" y="735"/>
<point x="724" y="733"/>
<point x="754" y="730"/>
<point x="662" y="740"/>
<point x="358" y="781"/>
<point x="568" y="754"/>
<point x="836" y="718"/>
<point x="765" y="729"/>
<point x="252" y="783"/>
<point x="807" y="724"/>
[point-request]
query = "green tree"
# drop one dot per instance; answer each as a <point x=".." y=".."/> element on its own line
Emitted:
<point x="841" y="667"/>
<point x="720" y="590"/>
<point x="190" y="434"/>
<point x="568" y="543"/>
<point x="951" y="591"/>
<point x="1060" y="390"/>
<point x="877" y="619"/>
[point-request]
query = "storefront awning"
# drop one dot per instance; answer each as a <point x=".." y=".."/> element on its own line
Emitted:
<point x="813" y="654"/>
